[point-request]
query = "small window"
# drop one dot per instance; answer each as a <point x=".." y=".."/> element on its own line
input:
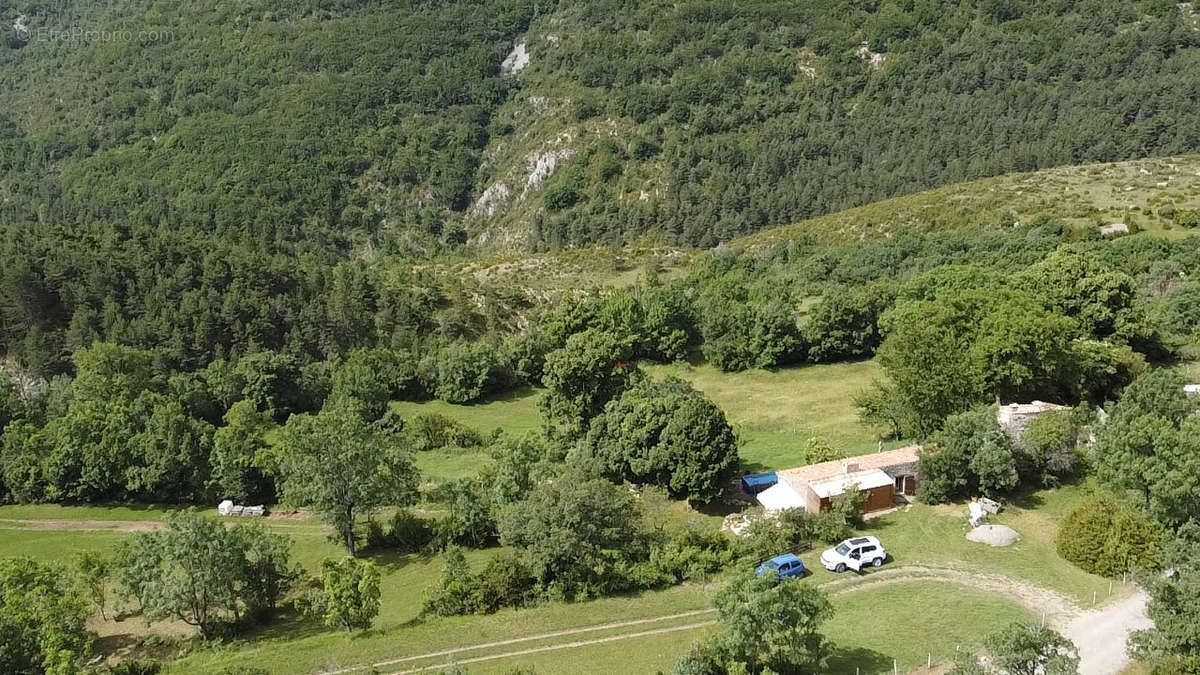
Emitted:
<point x="868" y="549"/>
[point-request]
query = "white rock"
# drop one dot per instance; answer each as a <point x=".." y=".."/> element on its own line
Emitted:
<point x="492" y="200"/>
<point x="516" y="61"/>
<point x="994" y="535"/>
<point x="542" y="165"/>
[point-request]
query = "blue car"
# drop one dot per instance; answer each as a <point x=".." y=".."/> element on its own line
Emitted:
<point x="786" y="565"/>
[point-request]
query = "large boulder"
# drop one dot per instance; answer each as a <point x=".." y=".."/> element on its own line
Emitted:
<point x="994" y="535"/>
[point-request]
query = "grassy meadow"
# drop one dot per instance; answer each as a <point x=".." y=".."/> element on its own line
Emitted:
<point x="909" y="619"/>
<point x="1133" y="192"/>
<point x="906" y="620"/>
<point x="773" y="412"/>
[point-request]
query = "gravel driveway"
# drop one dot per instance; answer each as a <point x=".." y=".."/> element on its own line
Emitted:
<point x="1100" y="634"/>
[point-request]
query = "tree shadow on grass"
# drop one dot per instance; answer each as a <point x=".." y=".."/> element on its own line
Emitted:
<point x="720" y="507"/>
<point x="857" y="660"/>
<point x="753" y="467"/>
<point x="507" y="396"/>
<point x="286" y="624"/>
<point x="389" y="561"/>
<point x="1026" y="499"/>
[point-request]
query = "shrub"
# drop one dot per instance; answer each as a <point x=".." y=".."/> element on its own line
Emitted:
<point x="404" y="533"/>
<point x="504" y="582"/>
<point x="433" y="431"/>
<point x="817" y="450"/>
<point x="794" y="530"/>
<point x="455" y="593"/>
<point x="830" y="527"/>
<point x="691" y="555"/>
<point x="469" y="520"/>
<point x="348" y="597"/>
<point x="1104" y="537"/>
<point x="462" y="372"/>
<point x="1187" y="218"/>
<point x="848" y="507"/>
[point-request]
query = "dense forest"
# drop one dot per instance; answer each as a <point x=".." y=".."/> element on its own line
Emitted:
<point x="762" y="114"/>
<point x="366" y="127"/>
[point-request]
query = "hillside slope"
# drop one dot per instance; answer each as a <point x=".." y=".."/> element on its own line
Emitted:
<point x="277" y="120"/>
<point x="1152" y="195"/>
<point x="413" y="127"/>
<point x="1149" y="194"/>
<point x="707" y="121"/>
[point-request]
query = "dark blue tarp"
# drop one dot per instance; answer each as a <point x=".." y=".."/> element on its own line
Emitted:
<point x="756" y="483"/>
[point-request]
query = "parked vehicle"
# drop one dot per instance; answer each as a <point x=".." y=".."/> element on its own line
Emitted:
<point x="854" y="553"/>
<point x="786" y="565"/>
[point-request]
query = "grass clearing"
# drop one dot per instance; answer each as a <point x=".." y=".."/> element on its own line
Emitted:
<point x="912" y="623"/>
<point x="327" y="649"/>
<point x="902" y="621"/>
<point x="1132" y="192"/>
<point x="439" y="466"/>
<point x="515" y="412"/>
<point x="130" y="512"/>
<point x="775" y="412"/>
<point x="936" y="535"/>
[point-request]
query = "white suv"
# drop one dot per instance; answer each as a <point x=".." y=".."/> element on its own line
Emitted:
<point x="854" y="554"/>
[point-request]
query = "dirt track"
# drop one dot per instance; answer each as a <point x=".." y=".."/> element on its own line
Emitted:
<point x="79" y="525"/>
<point x="1100" y="634"/>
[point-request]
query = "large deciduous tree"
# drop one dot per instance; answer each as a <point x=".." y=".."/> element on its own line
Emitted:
<point x="572" y="534"/>
<point x="41" y="620"/>
<point x="342" y="467"/>
<point x="238" y="455"/>
<point x="1173" y="645"/>
<point x="200" y="572"/>
<point x="1102" y="300"/>
<point x="970" y="453"/>
<point x="1151" y="447"/>
<point x="770" y="624"/>
<point x="845" y="323"/>
<point x="664" y="433"/>
<point x="584" y="375"/>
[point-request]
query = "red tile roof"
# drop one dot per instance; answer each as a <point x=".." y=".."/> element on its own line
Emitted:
<point x="824" y="470"/>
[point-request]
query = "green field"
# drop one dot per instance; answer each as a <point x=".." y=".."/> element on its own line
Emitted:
<point x="873" y="626"/>
<point x="773" y="412"/>
<point x="910" y="623"/>
<point x="515" y="412"/>
<point x="913" y="623"/>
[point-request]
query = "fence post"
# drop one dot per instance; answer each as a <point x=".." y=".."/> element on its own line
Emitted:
<point x="895" y="667"/>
